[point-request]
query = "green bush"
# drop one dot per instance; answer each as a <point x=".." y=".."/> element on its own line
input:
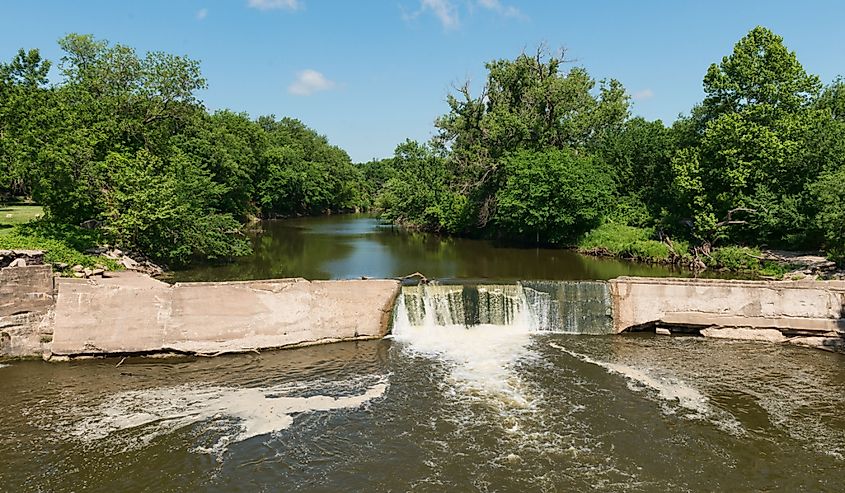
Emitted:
<point x="745" y="259"/>
<point x="61" y="243"/>
<point x="735" y="258"/>
<point x="620" y="240"/>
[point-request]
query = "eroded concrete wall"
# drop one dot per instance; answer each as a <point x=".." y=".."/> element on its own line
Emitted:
<point x="27" y="296"/>
<point x="795" y="307"/>
<point x="133" y="314"/>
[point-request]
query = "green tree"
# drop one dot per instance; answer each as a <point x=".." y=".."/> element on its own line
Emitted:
<point x="552" y="196"/>
<point x="23" y="97"/>
<point x="744" y="174"/>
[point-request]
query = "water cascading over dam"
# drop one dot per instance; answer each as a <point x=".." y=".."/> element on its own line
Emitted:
<point x="581" y="307"/>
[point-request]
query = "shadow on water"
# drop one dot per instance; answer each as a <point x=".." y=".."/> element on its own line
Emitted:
<point x="352" y="246"/>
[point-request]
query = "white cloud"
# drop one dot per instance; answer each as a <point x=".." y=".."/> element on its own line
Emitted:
<point x="202" y="14"/>
<point x="496" y="6"/>
<point x="444" y="10"/>
<point x="309" y="82"/>
<point x="643" y="95"/>
<point x="275" y="4"/>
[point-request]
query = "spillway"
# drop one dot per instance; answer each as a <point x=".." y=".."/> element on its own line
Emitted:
<point x="579" y="307"/>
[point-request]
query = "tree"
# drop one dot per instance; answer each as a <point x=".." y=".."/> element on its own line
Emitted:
<point x="23" y="97"/>
<point x="552" y="196"/>
<point x="744" y="171"/>
<point x="829" y="193"/>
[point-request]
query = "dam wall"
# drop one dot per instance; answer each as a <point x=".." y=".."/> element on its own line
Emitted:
<point x="802" y="312"/>
<point x="27" y="297"/>
<point x="133" y="313"/>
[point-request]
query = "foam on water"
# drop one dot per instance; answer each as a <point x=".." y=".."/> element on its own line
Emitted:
<point x="235" y="414"/>
<point x="480" y="358"/>
<point x="669" y="389"/>
<point x="3" y="366"/>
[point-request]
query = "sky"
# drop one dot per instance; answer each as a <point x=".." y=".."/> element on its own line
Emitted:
<point x="369" y="74"/>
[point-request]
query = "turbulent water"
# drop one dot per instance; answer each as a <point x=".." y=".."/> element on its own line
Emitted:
<point x="474" y="391"/>
<point x="481" y="387"/>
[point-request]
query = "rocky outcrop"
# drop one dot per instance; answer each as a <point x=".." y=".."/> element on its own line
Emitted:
<point x="21" y="258"/>
<point x="133" y="313"/>
<point x="27" y="296"/>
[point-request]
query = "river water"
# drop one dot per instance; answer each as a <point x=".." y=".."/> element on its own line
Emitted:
<point x="352" y="246"/>
<point x="470" y="393"/>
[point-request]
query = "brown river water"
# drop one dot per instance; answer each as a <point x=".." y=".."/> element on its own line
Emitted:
<point x="502" y="405"/>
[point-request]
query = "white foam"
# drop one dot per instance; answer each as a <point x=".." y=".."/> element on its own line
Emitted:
<point x="480" y="358"/>
<point x="255" y="411"/>
<point x="667" y="388"/>
<point x="3" y="366"/>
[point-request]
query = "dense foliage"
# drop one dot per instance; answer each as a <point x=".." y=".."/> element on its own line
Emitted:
<point x="122" y="143"/>
<point x="545" y="154"/>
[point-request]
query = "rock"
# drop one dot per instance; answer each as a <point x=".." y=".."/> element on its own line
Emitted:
<point x="98" y="272"/>
<point x="78" y="274"/>
<point x="128" y="263"/>
<point x="18" y="262"/>
<point x="88" y="272"/>
<point x="662" y="332"/>
<point x="744" y="333"/>
<point x="77" y="268"/>
<point x="835" y="344"/>
<point x="90" y="224"/>
<point x="61" y="265"/>
<point x="114" y="253"/>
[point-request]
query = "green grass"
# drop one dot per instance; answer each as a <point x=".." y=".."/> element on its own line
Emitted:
<point x="12" y="215"/>
<point x="745" y="259"/>
<point x="629" y="242"/>
<point x="619" y="240"/>
<point x="61" y="243"/>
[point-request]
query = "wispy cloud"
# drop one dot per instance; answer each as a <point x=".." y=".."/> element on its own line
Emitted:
<point x="202" y="14"/>
<point x="309" y="82"/>
<point x="499" y="8"/>
<point x="444" y="10"/>
<point x="643" y="95"/>
<point x="449" y="15"/>
<point x="275" y="4"/>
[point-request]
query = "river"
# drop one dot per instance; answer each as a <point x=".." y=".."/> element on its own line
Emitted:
<point x="503" y="405"/>
<point x="352" y="246"/>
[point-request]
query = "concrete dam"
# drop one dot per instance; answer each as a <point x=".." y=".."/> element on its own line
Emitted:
<point x="57" y="318"/>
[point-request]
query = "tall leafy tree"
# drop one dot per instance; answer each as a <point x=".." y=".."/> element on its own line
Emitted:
<point x="745" y="172"/>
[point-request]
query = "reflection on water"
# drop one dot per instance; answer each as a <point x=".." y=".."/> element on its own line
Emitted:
<point x="479" y="409"/>
<point x="351" y="246"/>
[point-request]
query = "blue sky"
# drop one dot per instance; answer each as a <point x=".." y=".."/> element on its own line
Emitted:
<point x="370" y="73"/>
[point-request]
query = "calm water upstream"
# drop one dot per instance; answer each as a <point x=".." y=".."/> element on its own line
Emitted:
<point x="351" y="246"/>
<point x="503" y="405"/>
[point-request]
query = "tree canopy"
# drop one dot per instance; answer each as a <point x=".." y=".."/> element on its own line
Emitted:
<point x="122" y="140"/>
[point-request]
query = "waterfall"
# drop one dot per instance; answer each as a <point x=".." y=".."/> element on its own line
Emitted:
<point x="582" y="307"/>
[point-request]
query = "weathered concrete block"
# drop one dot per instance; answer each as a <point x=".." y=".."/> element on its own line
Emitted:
<point x="27" y="295"/>
<point x="132" y="313"/>
<point x="643" y="301"/>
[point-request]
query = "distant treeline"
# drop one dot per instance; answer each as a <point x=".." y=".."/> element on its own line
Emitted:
<point x="122" y="143"/>
<point x="544" y="154"/>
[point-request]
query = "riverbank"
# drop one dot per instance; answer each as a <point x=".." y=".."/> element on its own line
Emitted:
<point x="640" y="245"/>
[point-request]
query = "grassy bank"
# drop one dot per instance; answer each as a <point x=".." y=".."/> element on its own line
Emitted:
<point x="642" y="245"/>
<point x="12" y="215"/>
<point x="22" y="228"/>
